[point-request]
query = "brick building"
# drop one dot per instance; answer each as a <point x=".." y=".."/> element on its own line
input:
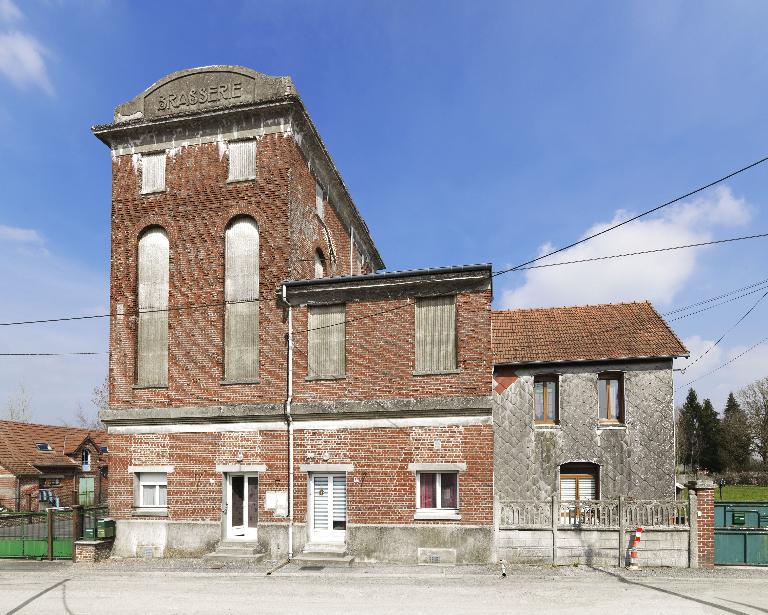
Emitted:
<point x="49" y="465"/>
<point x="267" y="386"/>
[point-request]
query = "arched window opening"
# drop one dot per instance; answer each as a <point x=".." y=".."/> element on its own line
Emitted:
<point x="241" y="294"/>
<point x="579" y="481"/>
<point x="152" y="338"/>
<point x="319" y="264"/>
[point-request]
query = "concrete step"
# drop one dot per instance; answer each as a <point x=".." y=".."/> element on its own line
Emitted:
<point x="222" y="558"/>
<point x="325" y="547"/>
<point x="323" y="559"/>
<point x="237" y="550"/>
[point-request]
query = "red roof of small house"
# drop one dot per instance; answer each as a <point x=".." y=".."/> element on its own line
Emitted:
<point x="20" y="454"/>
<point x="582" y="333"/>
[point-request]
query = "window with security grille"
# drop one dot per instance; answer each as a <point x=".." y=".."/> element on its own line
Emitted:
<point x="242" y="160"/>
<point x="326" y="340"/>
<point x="435" y="334"/>
<point x="152" y="173"/>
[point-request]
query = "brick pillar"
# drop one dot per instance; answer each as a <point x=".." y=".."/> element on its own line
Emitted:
<point x="702" y="499"/>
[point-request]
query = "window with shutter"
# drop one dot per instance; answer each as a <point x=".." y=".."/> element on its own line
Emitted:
<point x="153" y="173"/>
<point x="152" y="338"/>
<point x="241" y="294"/>
<point x="435" y="335"/>
<point x="326" y="341"/>
<point x="578" y="481"/>
<point x="242" y="160"/>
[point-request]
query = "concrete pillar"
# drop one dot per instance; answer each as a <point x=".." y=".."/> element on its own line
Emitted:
<point x="701" y="497"/>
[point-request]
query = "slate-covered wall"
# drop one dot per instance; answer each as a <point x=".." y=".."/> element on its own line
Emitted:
<point x="635" y="459"/>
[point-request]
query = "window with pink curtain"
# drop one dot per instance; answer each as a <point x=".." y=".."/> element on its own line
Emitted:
<point x="448" y="491"/>
<point x="427" y="490"/>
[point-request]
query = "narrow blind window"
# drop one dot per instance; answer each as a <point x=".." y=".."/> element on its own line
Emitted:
<point x="242" y="160"/>
<point x="241" y="294"/>
<point x="326" y="341"/>
<point x="152" y="351"/>
<point x="545" y="396"/>
<point x="319" y="201"/>
<point x="436" y="334"/>
<point x="153" y="173"/>
<point x="610" y="392"/>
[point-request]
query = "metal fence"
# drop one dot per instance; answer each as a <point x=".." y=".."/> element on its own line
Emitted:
<point x="613" y="513"/>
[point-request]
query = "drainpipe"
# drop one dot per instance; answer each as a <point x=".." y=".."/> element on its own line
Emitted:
<point x="289" y="421"/>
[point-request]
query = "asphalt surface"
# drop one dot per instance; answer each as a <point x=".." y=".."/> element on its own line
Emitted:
<point x="190" y="588"/>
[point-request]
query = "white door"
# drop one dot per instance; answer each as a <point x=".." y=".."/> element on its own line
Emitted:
<point x="242" y="506"/>
<point x="329" y="507"/>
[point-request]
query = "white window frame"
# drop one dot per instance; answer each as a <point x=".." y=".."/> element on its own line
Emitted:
<point x="86" y="459"/>
<point x="156" y="484"/>
<point x="158" y="186"/>
<point x="438" y="512"/>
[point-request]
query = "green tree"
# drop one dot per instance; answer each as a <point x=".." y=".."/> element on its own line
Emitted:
<point x="736" y="436"/>
<point x="754" y="400"/>
<point x="687" y="435"/>
<point x="710" y="438"/>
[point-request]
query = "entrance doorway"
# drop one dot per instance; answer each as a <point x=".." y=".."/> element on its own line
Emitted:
<point x="242" y="506"/>
<point x="328" y="494"/>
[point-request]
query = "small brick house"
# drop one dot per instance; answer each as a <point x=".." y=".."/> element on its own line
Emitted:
<point x="267" y="386"/>
<point x="48" y="465"/>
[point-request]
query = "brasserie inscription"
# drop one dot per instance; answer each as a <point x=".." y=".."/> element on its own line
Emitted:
<point x="193" y="97"/>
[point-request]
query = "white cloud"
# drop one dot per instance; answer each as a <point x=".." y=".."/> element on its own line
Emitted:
<point x="731" y="378"/>
<point x="9" y="11"/>
<point x="21" y="235"/>
<point x="22" y="61"/>
<point x="657" y="277"/>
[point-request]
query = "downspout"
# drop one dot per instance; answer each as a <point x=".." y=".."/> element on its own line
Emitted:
<point x="289" y="421"/>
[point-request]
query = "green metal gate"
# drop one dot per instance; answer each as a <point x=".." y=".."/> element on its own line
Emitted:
<point x="36" y="535"/>
<point x="741" y="533"/>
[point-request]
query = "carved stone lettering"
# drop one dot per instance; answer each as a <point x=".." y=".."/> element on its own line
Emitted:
<point x="199" y="92"/>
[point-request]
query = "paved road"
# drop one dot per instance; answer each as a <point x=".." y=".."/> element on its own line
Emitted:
<point x="84" y="590"/>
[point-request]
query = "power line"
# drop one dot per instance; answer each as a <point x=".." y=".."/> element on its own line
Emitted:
<point x="49" y="354"/>
<point x="720" y="339"/>
<point x="709" y="307"/>
<point x="738" y="356"/>
<point x="638" y="216"/>
<point x="610" y="256"/>
<point x="685" y="308"/>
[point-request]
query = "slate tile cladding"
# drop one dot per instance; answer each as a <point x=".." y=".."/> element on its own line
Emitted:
<point x="381" y="488"/>
<point x="582" y="333"/>
<point x="635" y="458"/>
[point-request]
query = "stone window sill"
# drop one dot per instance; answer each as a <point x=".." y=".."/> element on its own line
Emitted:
<point x="320" y="378"/>
<point x="240" y="180"/>
<point x="611" y="425"/>
<point x="245" y="381"/>
<point x="149" y="512"/>
<point x="446" y="372"/>
<point x="138" y="387"/>
<point x="547" y="426"/>
<point x="437" y="514"/>
<point x="151" y="192"/>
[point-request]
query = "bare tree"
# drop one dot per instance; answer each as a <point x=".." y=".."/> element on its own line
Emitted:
<point x="754" y="401"/>
<point x="100" y="401"/>
<point x="18" y="407"/>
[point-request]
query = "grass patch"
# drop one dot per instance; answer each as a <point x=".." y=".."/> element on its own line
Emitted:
<point x="743" y="493"/>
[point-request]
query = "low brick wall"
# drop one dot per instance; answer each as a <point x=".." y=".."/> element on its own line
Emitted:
<point x="92" y="550"/>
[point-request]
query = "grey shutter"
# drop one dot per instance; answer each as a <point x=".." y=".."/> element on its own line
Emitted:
<point x="567" y="489"/>
<point x="587" y="488"/>
<point x="152" y="351"/>
<point x="320" y="503"/>
<point x="241" y="293"/>
<point x="339" y="502"/>
<point x="242" y="160"/>
<point x="153" y="173"/>
<point x="326" y="340"/>
<point x="436" y="334"/>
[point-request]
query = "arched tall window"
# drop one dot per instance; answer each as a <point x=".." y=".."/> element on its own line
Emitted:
<point x="241" y="294"/>
<point x="319" y="264"/>
<point x="152" y="346"/>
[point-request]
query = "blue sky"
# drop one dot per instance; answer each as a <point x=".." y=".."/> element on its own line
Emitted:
<point x="466" y="132"/>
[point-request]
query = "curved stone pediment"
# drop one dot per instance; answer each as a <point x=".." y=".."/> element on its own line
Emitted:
<point x="197" y="90"/>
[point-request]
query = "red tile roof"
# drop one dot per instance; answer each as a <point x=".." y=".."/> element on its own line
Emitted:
<point x="582" y="333"/>
<point x="18" y="445"/>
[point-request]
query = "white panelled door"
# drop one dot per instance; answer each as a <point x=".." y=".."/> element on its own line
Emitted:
<point x="328" y="508"/>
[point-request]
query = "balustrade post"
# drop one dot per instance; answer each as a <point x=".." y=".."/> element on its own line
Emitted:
<point x="622" y="557"/>
<point x="555" y="522"/>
